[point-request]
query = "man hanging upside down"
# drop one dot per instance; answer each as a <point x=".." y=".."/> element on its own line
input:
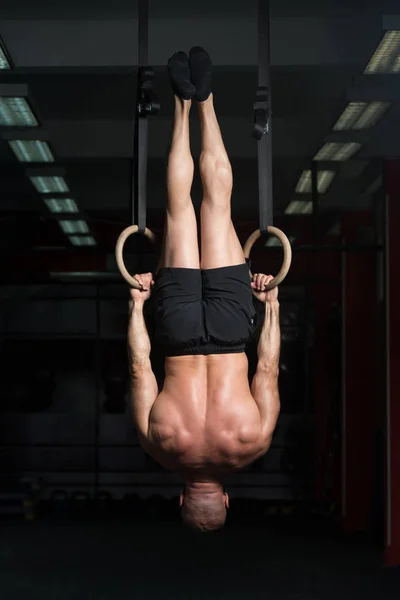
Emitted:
<point x="207" y="421"/>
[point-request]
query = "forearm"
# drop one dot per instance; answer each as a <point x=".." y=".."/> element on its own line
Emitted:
<point x="270" y="340"/>
<point x="139" y="346"/>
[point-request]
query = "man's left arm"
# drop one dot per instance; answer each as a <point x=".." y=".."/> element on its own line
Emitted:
<point x="264" y="386"/>
<point x="144" y="388"/>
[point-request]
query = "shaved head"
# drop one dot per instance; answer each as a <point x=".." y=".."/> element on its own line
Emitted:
<point x="204" y="510"/>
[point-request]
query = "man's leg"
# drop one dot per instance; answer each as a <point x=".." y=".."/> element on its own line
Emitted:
<point x="180" y="247"/>
<point x="220" y="246"/>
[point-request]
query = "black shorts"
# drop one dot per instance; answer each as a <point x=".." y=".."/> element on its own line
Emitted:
<point x="203" y="312"/>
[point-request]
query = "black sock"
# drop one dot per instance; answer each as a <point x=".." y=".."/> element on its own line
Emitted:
<point x="200" y="72"/>
<point x="179" y="73"/>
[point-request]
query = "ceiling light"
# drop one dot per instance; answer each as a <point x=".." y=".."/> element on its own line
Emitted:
<point x="16" y="112"/>
<point x="337" y="151"/>
<point x="4" y="63"/>
<point x="49" y="184"/>
<point x="350" y="115"/>
<point x="361" y="115"/>
<point x="396" y="65"/>
<point x="304" y="185"/>
<point x="31" y="151"/>
<point x="74" y="226"/>
<point x="386" y="56"/>
<point x="371" y="114"/>
<point x="325" y="179"/>
<point x="299" y="207"/>
<point x="82" y="240"/>
<point x="61" y="205"/>
<point x="274" y="242"/>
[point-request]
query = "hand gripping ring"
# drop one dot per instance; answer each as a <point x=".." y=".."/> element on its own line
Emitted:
<point x="119" y="247"/>
<point x="287" y="253"/>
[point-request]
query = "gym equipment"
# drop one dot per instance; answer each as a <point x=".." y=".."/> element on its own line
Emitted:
<point x="147" y="104"/>
<point x="262" y="133"/>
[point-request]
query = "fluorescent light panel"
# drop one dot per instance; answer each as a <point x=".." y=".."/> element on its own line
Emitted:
<point x="4" y="64"/>
<point x="49" y="184"/>
<point x="396" y="65"/>
<point x="361" y="115"/>
<point x="324" y="179"/>
<point x="82" y="240"/>
<point x="386" y="58"/>
<point x="61" y="205"/>
<point x="31" y="151"/>
<point x="337" y="152"/>
<point x="371" y="114"/>
<point x="16" y="112"/>
<point x="299" y="207"/>
<point x="74" y="226"/>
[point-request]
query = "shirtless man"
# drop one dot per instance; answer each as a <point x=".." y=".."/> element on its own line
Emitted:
<point x="207" y="421"/>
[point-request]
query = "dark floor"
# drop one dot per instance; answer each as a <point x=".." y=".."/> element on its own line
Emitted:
<point x="124" y="560"/>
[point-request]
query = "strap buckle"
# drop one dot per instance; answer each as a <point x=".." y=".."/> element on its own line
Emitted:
<point x="147" y="101"/>
<point x="262" y="113"/>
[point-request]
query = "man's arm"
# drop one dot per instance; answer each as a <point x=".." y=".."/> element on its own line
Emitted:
<point x="144" y="389"/>
<point x="264" y="386"/>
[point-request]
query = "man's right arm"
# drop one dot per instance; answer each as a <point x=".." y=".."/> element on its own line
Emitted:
<point x="144" y="388"/>
<point x="264" y="386"/>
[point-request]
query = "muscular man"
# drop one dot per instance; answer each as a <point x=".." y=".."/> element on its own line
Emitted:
<point x="207" y="421"/>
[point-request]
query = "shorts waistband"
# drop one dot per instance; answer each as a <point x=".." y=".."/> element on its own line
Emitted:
<point x="206" y="347"/>
<point x="205" y="350"/>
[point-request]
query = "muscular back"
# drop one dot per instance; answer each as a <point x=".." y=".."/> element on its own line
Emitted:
<point x="205" y="418"/>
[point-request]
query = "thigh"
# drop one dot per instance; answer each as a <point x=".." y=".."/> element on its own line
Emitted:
<point x="220" y="246"/>
<point x="180" y="247"/>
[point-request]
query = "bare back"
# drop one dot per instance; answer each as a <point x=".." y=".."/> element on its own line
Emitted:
<point x="205" y="419"/>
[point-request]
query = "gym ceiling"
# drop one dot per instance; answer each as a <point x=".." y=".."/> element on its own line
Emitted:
<point x="75" y="63"/>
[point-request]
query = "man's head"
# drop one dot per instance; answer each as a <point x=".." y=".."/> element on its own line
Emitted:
<point x="204" y="506"/>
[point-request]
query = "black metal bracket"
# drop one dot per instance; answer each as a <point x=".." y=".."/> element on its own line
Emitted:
<point x="262" y="113"/>
<point x="147" y="101"/>
<point x="147" y="104"/>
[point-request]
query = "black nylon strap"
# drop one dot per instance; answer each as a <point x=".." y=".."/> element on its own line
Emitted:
<point x="143" y="33"/>
<point x="262" y="119"/>
<point x="140" y="153"/>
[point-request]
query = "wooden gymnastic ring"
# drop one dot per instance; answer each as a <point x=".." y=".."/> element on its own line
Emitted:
<point x="287" y="253"/>
<point x="119" y="248"/>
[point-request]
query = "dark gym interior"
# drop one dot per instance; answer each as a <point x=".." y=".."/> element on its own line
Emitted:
<point x="84" y="511"/>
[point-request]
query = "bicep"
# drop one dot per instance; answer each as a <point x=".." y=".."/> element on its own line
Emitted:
<point x="265" y="391"/>
<point x="144" y="391"/>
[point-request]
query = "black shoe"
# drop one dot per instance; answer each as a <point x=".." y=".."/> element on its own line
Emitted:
<point x="179" y="73"/>
<point x="200" y="72"/>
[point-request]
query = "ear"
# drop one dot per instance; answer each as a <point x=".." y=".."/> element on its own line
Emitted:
<point x="226" y="497"/>
<point x="181" y="499"/>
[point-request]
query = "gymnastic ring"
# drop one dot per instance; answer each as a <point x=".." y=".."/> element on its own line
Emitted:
<point x="119" y="248"/>
<point x="287" y="253"/>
